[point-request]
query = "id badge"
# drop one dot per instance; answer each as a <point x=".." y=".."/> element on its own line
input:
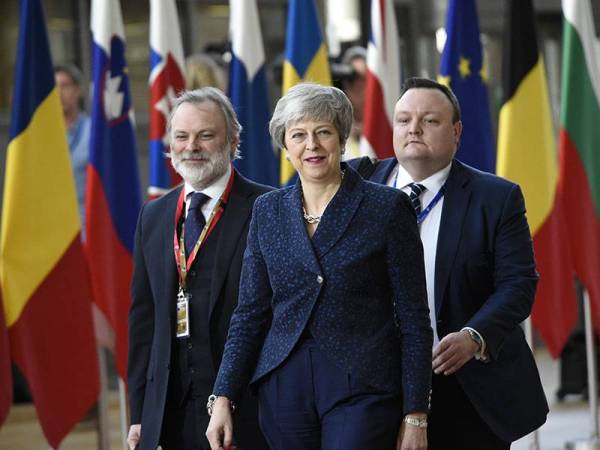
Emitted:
<point x="183" y="315"/>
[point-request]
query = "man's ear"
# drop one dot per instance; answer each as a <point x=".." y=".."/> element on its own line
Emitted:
<point x="458" y="127"/>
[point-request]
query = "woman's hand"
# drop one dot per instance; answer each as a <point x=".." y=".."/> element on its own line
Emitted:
<point x="411" y="437"/>
<point x="220" y="428"/>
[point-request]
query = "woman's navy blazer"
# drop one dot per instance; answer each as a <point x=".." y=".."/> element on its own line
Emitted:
<point x="358" y="286"/>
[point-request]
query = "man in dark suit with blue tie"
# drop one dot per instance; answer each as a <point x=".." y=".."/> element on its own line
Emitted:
<point x="480" y="274"/>
<point x="188" y="254"/>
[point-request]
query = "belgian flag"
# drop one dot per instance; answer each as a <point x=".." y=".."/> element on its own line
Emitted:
<point x="43" y="275"/>
<point x="527" y="155"/>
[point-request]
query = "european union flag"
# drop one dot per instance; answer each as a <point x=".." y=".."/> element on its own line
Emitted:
<point x="463" y="70"/>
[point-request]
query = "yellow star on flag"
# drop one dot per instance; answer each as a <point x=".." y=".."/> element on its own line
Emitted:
<point x="464" y="67"/>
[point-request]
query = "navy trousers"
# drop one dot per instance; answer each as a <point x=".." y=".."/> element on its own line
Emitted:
<point x="454" y="422"/>
<point x="184" y="426"/>
<point x="309" y="404"/>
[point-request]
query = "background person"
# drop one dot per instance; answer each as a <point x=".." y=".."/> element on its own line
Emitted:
<point x="332" y="324"/>
<point x="68" y="80"/>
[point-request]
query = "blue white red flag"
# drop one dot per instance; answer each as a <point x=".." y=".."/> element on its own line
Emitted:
<point x="166" y="82"/>
<point x="249" y="94"/>
<point x="384" y="80"/>
<point x="113" y="196"/>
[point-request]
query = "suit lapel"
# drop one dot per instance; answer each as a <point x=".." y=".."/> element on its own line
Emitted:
<point x="456" y="200"/>
<point x="383" y="171"/>
<point x="292" y="225"/>
<point x="338" y="213"/>
<point x="237" y="213"/>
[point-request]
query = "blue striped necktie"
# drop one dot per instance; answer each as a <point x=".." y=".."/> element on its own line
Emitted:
<point x="415" y="192"/>
<point x="194" y="221"/>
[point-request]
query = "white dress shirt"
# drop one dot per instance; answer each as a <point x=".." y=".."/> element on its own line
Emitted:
<point x="214" y="191"/>
<point x="428" y="229"/>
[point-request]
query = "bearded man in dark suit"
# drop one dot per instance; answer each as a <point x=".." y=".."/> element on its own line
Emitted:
<point x="188" y="254"/>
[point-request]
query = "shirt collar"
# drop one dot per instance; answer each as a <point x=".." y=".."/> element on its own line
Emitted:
<point x="216" y="189"/>
<point x="433" y="183"/>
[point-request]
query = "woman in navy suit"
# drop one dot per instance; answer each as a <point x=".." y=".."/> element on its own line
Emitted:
<point x="332" y="326"/>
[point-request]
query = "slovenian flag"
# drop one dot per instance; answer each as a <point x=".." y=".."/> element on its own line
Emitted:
<point x="43" y="276"/>
<point x="383" y="81"/>
<point x="305" y="59"/>
<point x="113" y="196"/>
<point x="166" y="82"/>
<point x="462" y="69"/>
<point x="249" y="94"/>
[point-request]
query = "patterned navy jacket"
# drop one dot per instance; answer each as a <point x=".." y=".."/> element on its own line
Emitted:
<point x="358" y="286"/>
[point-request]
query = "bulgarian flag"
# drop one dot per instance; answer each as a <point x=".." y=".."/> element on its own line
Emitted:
<point x="579" y="144"/>
<point x="526" y="142"/>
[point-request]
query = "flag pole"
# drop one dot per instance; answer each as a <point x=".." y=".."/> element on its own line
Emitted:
<point x="534" y="443"/>
<point x="590" y="351"/>
<point x="103" y="421"/>
<point x="593" y="443"/>
<point x="123" y="413"/>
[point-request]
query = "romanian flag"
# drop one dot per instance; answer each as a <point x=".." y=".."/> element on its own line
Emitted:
<point x="526" y="141"/>
<point x="249" y="94"/>
<point x="43" y="274"/>
<point x="113" y="197"/>
<point x="383" y="81"/>
<point x="166" y="82"/>
<point x="579" y="145"/>
<point x="462" y="69"/>
<point x="305" y="59"/>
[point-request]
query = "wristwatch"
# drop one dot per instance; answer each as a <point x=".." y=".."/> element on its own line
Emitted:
<point x="416" y="421"/>
<point x="211" y="403"/>
<point x="475" y="337"/>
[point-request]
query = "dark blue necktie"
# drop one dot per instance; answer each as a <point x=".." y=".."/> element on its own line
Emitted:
<point x="194" y="221"/>
<point x="415" y="192"/>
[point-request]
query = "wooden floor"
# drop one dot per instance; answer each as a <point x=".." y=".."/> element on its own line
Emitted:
<point x="21" y="431"/>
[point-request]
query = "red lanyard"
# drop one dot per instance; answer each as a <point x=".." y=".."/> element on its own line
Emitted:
<point x="183" y="267"/>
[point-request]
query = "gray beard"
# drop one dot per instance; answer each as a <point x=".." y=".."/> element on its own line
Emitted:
<point x="215" y="166"/>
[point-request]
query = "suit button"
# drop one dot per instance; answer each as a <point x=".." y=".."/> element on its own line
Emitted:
<point x="189" y="345"/>
<point x="192" y="273"/>
<point x="192" y="370"/>
<point x="319" y="279"/>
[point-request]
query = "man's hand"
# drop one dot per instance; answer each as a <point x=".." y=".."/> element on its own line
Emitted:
<point x="220" y="428"/>
<point x="453" y="352"/>
<point x="133" y="438"/>
<point x="411" y="437"/>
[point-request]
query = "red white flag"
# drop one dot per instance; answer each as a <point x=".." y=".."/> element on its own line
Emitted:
<point x="383" y="81"/>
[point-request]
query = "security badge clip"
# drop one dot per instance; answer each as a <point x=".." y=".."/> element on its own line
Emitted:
<point x="183" y="314"/>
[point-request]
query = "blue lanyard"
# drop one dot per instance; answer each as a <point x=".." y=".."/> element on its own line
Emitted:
<point x="424" y="213"/>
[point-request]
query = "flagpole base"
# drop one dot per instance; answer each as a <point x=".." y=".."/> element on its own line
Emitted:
<point x="584" y="444"/>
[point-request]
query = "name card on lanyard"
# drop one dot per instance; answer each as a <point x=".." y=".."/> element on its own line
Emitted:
<point x="184" y="264"/>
